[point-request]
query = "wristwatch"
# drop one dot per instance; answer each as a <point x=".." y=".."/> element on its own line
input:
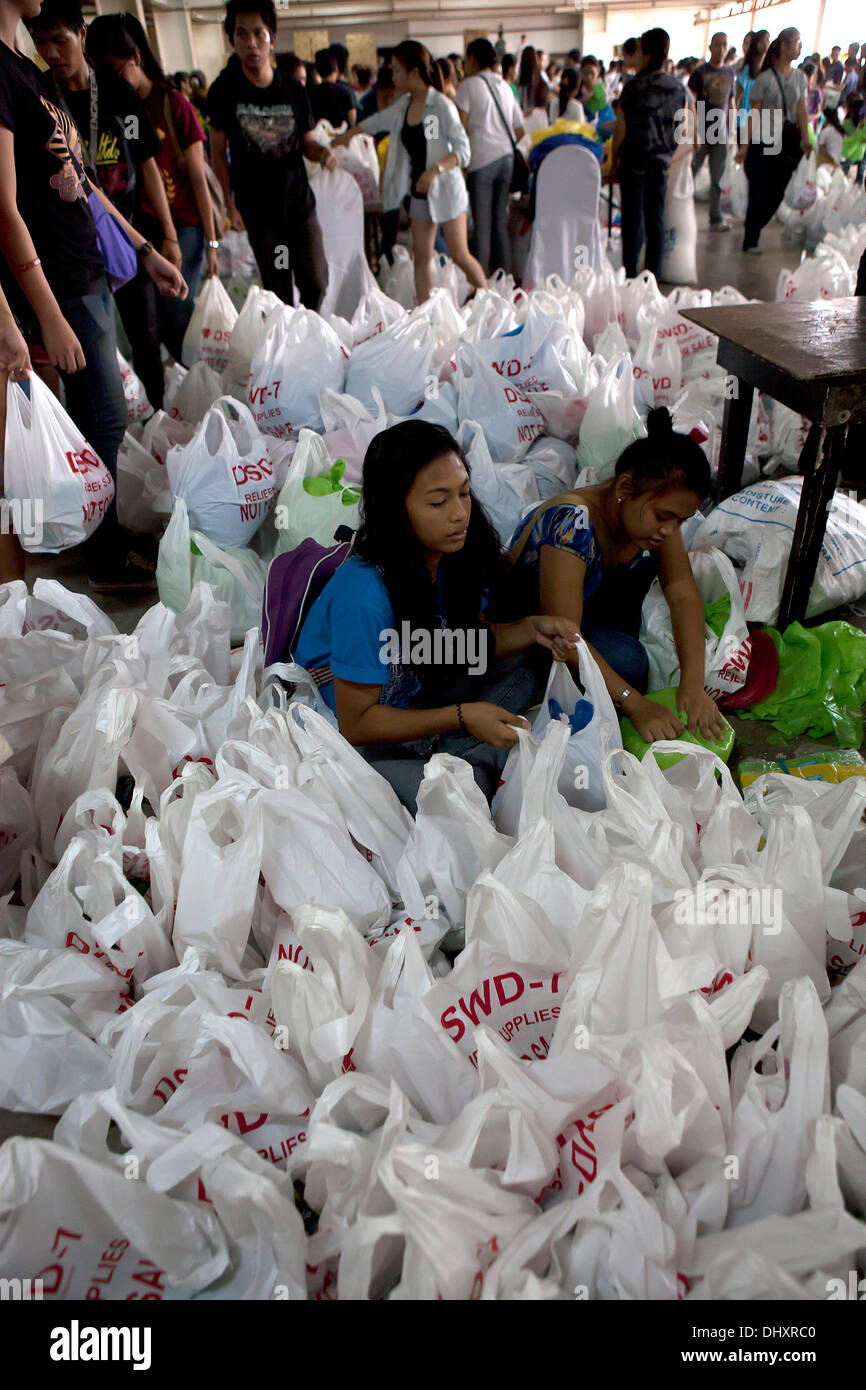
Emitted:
<point x="145" y="250"/>
<point x="214" y="245"/>
<point x="624" y="696"/>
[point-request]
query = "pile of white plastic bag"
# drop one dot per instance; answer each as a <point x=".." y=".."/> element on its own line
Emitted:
<point x="232" y="942"/>
<point x="491" y="1049"/>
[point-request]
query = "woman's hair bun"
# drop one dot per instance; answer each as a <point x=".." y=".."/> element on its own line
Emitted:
<point x="659" y="423"/>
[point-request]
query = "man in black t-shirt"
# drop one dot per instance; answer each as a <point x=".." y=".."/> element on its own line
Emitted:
<point x="329" y="100"/>
<point x="261" y="119"/>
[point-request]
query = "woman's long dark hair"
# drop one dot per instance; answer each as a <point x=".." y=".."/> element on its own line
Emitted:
<point x="121" y="36"/>
<point x="529" y="71"/>
<point x="568" y="85"/>
<point x="387" y="540"/>
<point x="755" y="60"/>
<point x="416" y="58"/>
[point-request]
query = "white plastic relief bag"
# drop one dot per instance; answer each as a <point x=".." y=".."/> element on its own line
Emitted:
<point x="299" y="355"/>
<point x="138" y="407"/>
<point x="57" y="487"/>
<point x="594" y="729"/>
<point x="726" y="660"/>
<point x="802" y="188"/>
<point x="755" y="527"/>
<point x="209" y="331"/>
<point x="196" y="394"/>
<point x="611" y="421"/>
<point x="224" y="475"/>
<point x="509" y="417"/>
<point x="237" y="576"/>
<point x="313" y="500"/>
<point x="399" y="361"/>
<point x="247" y="335"/>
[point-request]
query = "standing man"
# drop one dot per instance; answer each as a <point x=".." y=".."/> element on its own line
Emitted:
<point x="329" y="101"/>
<point x="499" y="47"/>
<point x="714" y="84"/>
<point x="644" y="140"/>
<point x="262" y="117"/>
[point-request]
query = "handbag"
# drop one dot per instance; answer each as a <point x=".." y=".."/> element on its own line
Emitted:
<point x="214" y="188"/>
<point x="117" y="251"/>
<point x="520" y="168"/>
<point x="792" y="148"/>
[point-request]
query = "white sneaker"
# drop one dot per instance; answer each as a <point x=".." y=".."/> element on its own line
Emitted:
<point x="753" y="250"/>
<point x="720" y="226"/>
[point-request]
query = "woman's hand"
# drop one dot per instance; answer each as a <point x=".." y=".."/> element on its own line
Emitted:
<point x="701" y="711"/>
<point x="740" y="156"/>
<point x="212" y="264"/>
<point x="652" y="721"/>
<point x="236" y="221"/>
<point x="165" y="276"/>
<point x="63" y="348"/>
<point x="328" y="160"/>
<point x="171" y="251"/>
<point x="491" y="723"/>
<point x="560" y="635"/>
<point x="14" y="352"/>
<point x="342" y="139"/>
<point x="427" y="179"/>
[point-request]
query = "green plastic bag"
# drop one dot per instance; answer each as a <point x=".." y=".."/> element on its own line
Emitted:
<point x="822" y="683"/>
<point x="632" y="741"/>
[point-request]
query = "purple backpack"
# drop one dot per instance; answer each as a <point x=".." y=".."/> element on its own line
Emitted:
<point x="295" y="580"/>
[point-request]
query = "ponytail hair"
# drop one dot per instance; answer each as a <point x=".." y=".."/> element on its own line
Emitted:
<point x="416" y="58"/>
<point x="774" y="52"/>
<point x="665" y="459"/>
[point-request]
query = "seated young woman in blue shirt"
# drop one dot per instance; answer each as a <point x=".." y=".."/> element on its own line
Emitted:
<point x="398" y="640"/>
<point x="592" y="554"/>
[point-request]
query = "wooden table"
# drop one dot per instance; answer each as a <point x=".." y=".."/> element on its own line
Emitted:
<point x="811" y="358"/>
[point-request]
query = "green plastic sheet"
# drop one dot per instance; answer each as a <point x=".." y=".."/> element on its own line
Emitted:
<point x="822" y="683"/>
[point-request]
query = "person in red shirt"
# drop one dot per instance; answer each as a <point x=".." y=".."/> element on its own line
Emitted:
<point x="118" y="41"/>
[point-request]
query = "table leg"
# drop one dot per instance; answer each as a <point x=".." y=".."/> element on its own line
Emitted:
<point x="820" y="462"/>
<point x="735" y="434"/>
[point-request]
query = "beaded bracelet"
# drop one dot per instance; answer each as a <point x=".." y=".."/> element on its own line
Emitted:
<point x="461" y="721"/>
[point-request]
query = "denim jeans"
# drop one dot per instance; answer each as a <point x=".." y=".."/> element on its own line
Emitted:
<point x="515" y="685"/>
<point x="489" y="192"/>
<point x="716" y="154"/>
<point x="175" y="314"/>
<point x="94" y="396"/>
<point x="642" y="198"/>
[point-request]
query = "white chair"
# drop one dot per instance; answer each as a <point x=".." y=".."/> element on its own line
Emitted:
<point x="340" y="210"/>
<point x="566" y="215"/>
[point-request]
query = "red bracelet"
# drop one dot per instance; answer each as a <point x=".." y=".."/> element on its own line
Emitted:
<point x="28" y="265"/>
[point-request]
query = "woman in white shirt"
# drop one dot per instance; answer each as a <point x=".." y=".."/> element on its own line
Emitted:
<point x="830" y="140"/>
<point x="494" y="124"/>
<point x="427" y="150"/>
<point x="565" y="104"/>
<point x="537" y="119"/>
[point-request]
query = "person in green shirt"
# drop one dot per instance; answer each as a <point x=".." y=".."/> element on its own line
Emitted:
<point x="592" y="93"/>
<point x="854" y="133"/>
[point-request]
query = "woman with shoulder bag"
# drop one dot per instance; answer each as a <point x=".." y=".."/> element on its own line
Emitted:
<point x="427" y="151"/>
<point x="494" y="124"/>
<point x="118" y="42"/>
<point x="777" y="133"/>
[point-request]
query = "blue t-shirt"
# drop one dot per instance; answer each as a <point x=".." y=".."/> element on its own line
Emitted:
<point x="348" y="633"/>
